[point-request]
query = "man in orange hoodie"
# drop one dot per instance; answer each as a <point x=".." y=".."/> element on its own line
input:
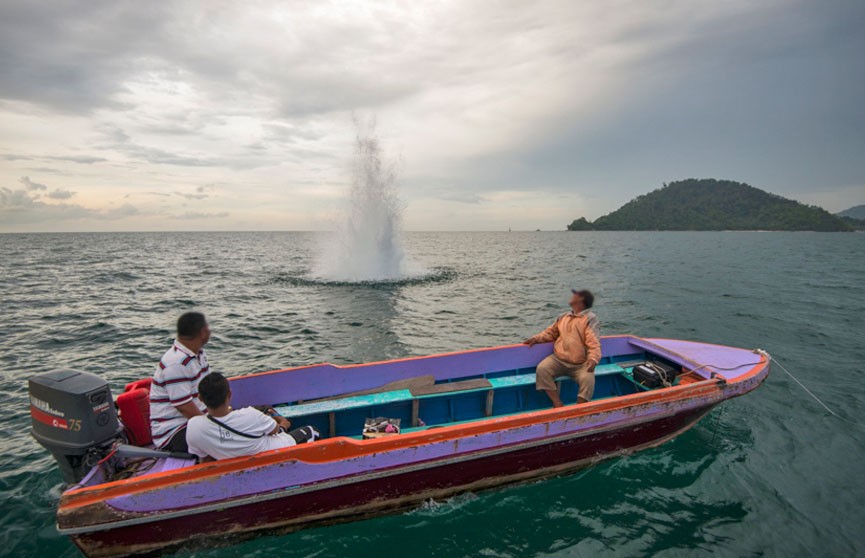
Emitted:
<point x="576" y="351"/>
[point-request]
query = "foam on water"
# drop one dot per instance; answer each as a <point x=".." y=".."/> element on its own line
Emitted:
<point x="427" y="276"/>
<point x="367" y="245"/>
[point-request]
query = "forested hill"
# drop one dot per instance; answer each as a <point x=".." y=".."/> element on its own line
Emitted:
<point x="857" y="212"/>
<point x="713" y="205"/>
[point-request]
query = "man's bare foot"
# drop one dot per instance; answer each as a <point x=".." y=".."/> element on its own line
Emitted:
<point x="554" y="398"/>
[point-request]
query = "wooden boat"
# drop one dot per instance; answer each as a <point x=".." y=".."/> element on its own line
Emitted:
<point x="472" y="420"/>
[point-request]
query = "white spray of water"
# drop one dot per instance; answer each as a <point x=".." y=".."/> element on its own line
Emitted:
<point x="367" y="244"/>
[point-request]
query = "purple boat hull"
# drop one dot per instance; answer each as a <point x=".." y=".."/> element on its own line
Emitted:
<point x="390" y="494"/>
<point x="343" y="479"/>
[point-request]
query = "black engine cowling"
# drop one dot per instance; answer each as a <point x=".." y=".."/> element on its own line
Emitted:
<point x="73" y="417"/>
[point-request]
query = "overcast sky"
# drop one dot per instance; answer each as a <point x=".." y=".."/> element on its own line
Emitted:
<point x="238" y="115"/>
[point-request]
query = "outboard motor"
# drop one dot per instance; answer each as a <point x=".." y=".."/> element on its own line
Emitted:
<point x="73" y="417"/>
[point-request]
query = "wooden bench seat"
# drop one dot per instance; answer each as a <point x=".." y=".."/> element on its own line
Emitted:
<point x="451" y="387"/>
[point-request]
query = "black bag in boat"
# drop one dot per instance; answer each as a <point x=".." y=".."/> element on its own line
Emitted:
<point x="305" y="434"/>
<point x="654" y="375"/>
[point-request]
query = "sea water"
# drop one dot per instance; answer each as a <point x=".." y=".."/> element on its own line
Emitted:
<point x="768" y="474"/>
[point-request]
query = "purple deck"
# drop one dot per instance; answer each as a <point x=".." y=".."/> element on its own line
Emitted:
<point x="730" y="362"/>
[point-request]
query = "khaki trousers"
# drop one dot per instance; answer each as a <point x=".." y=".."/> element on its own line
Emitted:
<point x="553" y="367"/>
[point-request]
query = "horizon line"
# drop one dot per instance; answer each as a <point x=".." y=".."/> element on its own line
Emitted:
<point x="417" y="231"/>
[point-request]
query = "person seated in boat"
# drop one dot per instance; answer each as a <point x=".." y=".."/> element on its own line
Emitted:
<point x="224" y="433"/>
<point x="576" y="351"/>
<point x="174" y="391"/>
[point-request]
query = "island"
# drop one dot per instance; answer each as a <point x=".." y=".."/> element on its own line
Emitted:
<point x="856" y="212"/>
<point x="713" y="205"/>
<point x="855" y="217"/>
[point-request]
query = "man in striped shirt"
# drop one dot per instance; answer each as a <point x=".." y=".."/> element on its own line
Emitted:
<point x="174" y="392"/>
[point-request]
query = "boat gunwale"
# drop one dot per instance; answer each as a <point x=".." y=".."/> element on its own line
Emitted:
<point x="478" y="350"/>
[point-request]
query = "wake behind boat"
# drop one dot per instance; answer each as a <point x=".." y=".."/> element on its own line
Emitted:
<point x="470" y="420"/>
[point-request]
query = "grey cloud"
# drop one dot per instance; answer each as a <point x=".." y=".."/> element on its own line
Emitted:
<point x="97" y="47"/>
<point x="15" y="199"/>
<point x="118" y="140"/>
<point x="285" y="133"/>
<point x="459" y="195"/>
<point x="23" y="207"/>
<point x="30" y="185"/>
<point x="195" y="215"/>
<point x="125" y="210"/>
<point x="18" y="207"/>
<point x="91" y="47"/>
<point x="60" y="194"/>
<point x="162" y="157"/>
<point x="196" y="196"/>
<point x="44" y="169"/>
<point x="83" y="159"/>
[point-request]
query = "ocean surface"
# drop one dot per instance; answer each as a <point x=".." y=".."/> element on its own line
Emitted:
<point x="768" y="474"/>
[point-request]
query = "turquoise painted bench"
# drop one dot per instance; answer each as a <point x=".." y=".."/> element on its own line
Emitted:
<point x="333" y="406"/>
<point x="526" y="379"/>
<point x="355" y="402"/>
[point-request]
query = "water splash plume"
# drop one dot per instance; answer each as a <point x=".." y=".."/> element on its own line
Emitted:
<point x="367" y="244"/>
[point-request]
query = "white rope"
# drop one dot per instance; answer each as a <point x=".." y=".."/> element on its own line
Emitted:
<point x="795" y="379"/>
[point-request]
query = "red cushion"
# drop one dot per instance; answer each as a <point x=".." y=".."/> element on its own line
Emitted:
<point x="145" y="383"/>
<point x="134" y="407"/>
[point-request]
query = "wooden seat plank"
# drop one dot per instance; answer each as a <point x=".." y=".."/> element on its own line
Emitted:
<point x="451" y="387"/>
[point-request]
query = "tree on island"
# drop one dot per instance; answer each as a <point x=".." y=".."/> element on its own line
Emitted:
<point x="580" y="225"/>
<point x="855" y="212"/>
<point x="854" y="216"/>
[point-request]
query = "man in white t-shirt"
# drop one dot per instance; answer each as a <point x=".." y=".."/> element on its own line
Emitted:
<point x="224" y="433"/>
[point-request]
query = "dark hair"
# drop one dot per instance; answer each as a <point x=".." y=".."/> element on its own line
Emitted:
<point x="190" y="324"/>
<point x="213" y="390"/>
<point x="588" y="298"/>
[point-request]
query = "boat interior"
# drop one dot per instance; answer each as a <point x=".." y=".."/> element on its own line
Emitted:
<point x="422" y="403"/>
